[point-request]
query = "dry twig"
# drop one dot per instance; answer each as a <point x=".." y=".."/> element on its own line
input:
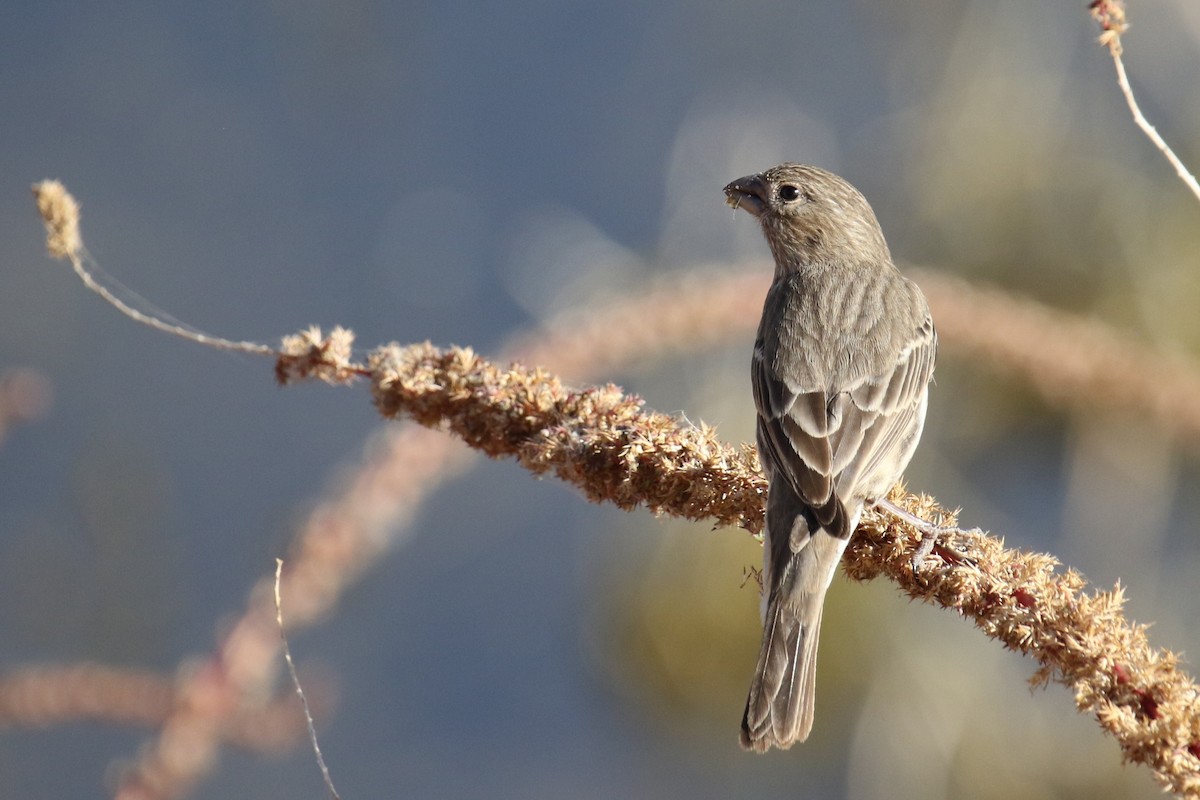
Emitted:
<point x="1110" y="15"/>
<point x="295" y="676"/>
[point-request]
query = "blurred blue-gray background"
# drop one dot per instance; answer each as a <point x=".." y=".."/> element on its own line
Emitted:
<point x="458" y="171"/>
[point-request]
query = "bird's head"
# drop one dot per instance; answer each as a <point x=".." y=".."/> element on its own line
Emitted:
<point x="809" y="216"/>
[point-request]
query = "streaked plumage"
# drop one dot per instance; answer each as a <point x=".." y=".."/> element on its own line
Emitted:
<point x="840" y="374"/>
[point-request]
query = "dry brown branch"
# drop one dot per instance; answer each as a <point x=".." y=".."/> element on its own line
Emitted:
<point x="1081" y="639"/>
<point x="603" y="442"/>
<point x="599" y="439"/>
<point x="38" y="697"/>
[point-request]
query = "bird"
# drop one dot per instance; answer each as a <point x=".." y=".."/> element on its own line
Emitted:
<point x="841" y="370"/>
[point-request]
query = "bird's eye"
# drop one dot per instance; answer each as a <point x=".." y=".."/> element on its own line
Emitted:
<point x="788" y="193"/>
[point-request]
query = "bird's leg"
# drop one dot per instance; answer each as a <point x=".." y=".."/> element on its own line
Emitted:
<point x="930" y="534"/>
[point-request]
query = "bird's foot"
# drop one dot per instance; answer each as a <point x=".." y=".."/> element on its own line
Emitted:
<point x="932" y="535"/>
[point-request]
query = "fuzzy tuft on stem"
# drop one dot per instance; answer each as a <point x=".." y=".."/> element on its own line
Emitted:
<point x="605" y="443"/>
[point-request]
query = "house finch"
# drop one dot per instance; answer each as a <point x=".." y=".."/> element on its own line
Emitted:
<point x="840" y="373"/>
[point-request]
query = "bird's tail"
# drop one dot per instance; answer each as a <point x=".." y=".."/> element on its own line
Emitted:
<point x="779" y="709"/>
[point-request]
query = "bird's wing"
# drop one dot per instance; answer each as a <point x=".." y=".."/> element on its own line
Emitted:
<point x="793" y="432"/>
<point x="846" y="443"/>
<point x="881" y="418"/>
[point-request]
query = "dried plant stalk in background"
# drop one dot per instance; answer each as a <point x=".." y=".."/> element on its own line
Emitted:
<point x="42" y="696"/>
<point x="1070" y="361"/>
<point x="339" y="539"/>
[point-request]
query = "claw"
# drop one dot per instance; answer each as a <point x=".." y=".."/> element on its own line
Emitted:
<point x="930" y="536"/>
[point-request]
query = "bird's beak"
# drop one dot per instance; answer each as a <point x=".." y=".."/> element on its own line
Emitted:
<point x="749" y="193"/>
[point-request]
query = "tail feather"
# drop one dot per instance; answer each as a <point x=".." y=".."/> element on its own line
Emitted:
<point x="803" y="547"/>
<point x="779" y="709"/>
